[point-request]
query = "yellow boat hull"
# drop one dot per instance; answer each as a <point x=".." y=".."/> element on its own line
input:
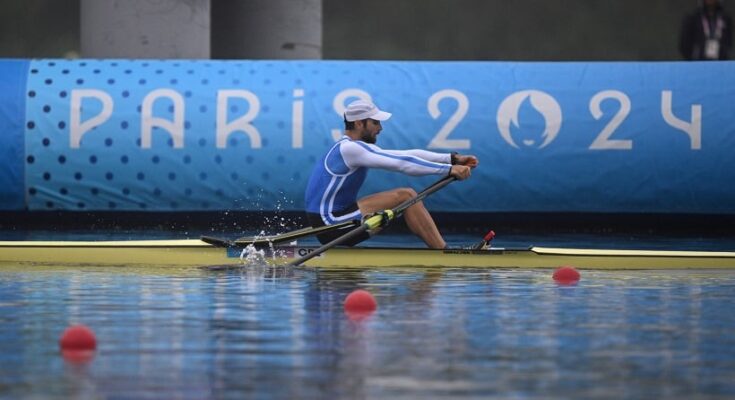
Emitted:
<point x="184" y="253"/>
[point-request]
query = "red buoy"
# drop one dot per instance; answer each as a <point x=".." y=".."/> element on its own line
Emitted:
<point x="566" y="275"/>
<point x="360" y="301"/>
<point x="359" y="305"/>
<point x="78" y="337"/>
<point x="78" y="344"/>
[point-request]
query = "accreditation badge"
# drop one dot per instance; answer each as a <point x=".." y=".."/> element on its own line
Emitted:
<point x="712" y="49"/>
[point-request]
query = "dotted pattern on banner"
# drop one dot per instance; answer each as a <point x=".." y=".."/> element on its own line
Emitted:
<point x="111" y="168"/>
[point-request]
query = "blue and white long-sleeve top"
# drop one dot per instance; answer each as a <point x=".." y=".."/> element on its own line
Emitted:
<point x="337" y="178"/>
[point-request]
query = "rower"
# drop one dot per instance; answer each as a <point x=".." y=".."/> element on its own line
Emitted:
<point x="331" y="194"/>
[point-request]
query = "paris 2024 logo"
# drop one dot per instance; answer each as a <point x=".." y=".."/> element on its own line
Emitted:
<point x="543" y="103"/>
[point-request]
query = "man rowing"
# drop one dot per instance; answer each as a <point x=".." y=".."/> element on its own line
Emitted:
<point x="331" y="194"/>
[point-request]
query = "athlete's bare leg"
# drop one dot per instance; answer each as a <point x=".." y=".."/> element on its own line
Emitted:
<point x="417" y="217"/>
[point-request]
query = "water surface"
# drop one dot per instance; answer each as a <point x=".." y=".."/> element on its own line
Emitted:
<point x="438" y="333"/>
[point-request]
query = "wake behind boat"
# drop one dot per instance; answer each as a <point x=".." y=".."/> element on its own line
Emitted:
<point x="195" y="253"/>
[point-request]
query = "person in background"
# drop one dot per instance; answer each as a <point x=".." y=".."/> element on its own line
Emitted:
<point x="706" y="34"/>
<point x="331" y="194"/>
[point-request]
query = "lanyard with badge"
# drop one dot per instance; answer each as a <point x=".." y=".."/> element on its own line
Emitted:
<point x="712" y="39"/>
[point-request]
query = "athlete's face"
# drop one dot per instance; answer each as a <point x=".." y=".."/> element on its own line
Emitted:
<point x="370" y="130"/>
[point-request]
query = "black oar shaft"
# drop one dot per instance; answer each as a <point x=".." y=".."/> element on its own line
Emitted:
<point x="336" y="242"/>
<point x="293" y="235"/>
<point x="398" y="210"/>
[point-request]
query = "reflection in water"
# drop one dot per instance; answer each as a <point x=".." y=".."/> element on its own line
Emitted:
<point x="437" y="333"/>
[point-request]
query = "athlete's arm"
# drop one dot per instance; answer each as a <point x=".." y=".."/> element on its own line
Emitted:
<point x="360" y="154"/>
<point x="443" y="158"/>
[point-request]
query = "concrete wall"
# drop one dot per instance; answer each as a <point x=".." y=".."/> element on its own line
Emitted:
<point x="267" y="29"/>
<point x="145" y="29"/>
<point x="585" y="30"/>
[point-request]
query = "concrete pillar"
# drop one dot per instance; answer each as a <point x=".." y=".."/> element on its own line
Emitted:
<point x="145" y="28"/>
<point x="267" y="29"/>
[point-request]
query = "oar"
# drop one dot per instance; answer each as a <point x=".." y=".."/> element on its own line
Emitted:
<point x="380" y="219"/>
<point x="218" y="242"/>
<point x="283" y="237"/>
<point x="293" y="235"/>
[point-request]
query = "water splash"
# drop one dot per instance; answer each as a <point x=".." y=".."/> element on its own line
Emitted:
<point x="260" y="256"/>
<point x="250" y="255"/>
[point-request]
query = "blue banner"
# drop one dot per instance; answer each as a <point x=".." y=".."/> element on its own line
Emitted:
<point x="12" y="116"/>
<point x="244" y="135"/>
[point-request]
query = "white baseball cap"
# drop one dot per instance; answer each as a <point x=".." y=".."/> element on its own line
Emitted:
<point x="361" y="109"/>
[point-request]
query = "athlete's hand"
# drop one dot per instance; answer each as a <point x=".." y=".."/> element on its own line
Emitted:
<point x="470" y="161"/>
<point x="461" y="172"/>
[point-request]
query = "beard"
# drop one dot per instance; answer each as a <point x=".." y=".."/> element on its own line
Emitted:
<point x="368" y="137"/>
